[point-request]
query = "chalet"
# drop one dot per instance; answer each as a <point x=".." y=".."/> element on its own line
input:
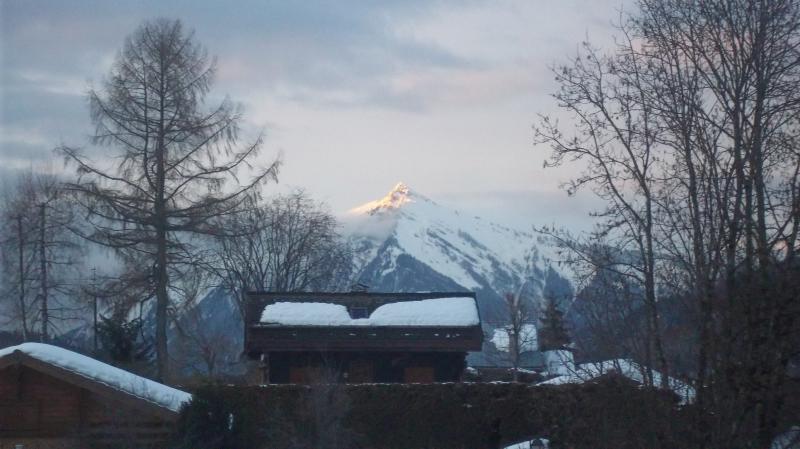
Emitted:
<point x="51" y="398"/>
<point x="361" y="337"/>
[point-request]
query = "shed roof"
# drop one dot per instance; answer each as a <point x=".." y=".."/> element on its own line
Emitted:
<point x="95" y="375"/>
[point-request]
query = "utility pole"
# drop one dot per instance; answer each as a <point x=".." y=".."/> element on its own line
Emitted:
<point x="43" y="261"/>
<point x="21" y="247"/>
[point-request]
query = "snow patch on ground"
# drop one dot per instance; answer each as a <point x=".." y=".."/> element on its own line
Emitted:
<point x="103" y="373"/>
<point x="459" y="311"/>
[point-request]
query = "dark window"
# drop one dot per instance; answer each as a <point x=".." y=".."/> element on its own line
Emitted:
<point x="359" y="312"/>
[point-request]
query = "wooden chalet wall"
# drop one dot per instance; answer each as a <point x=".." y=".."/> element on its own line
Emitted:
<point x="39" y="411"/>
<point x="365" y="367"/>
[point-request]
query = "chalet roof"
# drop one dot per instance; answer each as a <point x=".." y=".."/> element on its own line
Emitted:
<point x="448" y="311"/>
<point x="313" y="321"/>
<point x="94" y="375"/>
<point x="256" y="300"/>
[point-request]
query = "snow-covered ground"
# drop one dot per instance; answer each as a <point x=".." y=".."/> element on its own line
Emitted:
<point x="103" y="373"/>
<point x="459" y="311"/>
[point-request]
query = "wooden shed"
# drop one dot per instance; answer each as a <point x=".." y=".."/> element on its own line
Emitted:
<point x="52" y="398"/>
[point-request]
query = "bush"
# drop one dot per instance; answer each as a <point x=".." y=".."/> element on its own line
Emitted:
<point x="609" y="413"/>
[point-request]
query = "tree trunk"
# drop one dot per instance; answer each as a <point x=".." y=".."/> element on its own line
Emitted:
<point x="162" y="301"/>
<point x="515" y="350"/>
<point x="161" y="274"/>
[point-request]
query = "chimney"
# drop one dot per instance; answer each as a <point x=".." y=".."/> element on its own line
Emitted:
<point x="359" y="288"/>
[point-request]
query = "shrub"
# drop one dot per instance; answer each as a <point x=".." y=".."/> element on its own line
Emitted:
<point x="609" y="413"/>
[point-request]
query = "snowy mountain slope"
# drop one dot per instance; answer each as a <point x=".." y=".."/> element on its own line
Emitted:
<point x="407" y="242"/>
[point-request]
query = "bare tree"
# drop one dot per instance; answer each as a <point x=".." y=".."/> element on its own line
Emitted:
<point x="707" y="90"/>
<point x="202" y="345"/>
<point x="203" y="348"/>
<point x="615" y="138"/>
<point x="290" y="243"/>
<point x="177" y="163"/>
<point x="519" y="328"/>
<point x="18" y="255"/>
<point x="727" y="72"/>
<point x="41" y="252"/>
<point x="609" y="302"/>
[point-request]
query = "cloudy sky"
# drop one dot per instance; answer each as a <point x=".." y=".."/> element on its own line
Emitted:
<point x="356" y="96"/>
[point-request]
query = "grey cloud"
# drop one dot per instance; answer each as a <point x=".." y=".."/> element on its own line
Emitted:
<point x="301" y="50"/>
<point x="525" y="209"/>
<point x="300" y="64"/>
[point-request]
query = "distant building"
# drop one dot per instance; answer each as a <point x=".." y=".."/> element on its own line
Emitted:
<point x="361" y="337"/>
<point x="51" y="397"/>
<point x="630" y="369"/>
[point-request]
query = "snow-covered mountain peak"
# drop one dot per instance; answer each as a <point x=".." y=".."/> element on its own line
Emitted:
<point x="407" y="242"/>
<point x="400" y="189"/>
<point x="397" y="198"/>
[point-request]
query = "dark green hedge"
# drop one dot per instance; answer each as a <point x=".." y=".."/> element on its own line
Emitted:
<point x="610" y="413"/>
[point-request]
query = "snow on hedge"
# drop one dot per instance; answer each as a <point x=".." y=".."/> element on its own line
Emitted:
<point x="460" y="311"/>
<point x="103" y="373"/>
<point x="531" y="444"/>
<point x="787" y="440"/>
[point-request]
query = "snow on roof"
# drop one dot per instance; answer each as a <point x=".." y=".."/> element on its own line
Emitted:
<point x="625" y="367"/>
<point x="459" y="311"/>
<point x="306" y="314"/>
<point x="103" y="373"/>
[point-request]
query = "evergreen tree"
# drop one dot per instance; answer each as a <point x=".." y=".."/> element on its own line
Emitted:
<point x="552" y="331"/>
<point x="120" y="338"/>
